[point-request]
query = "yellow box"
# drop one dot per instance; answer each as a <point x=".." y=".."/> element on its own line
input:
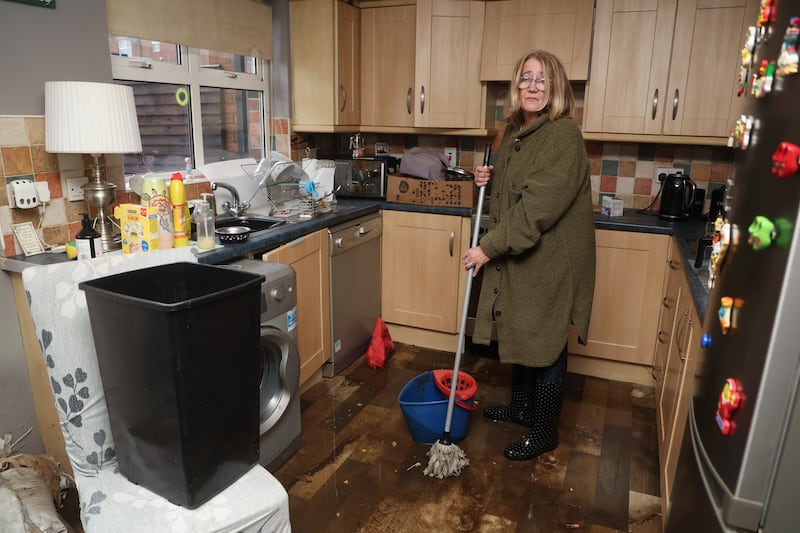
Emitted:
<point x="139" y="227"/>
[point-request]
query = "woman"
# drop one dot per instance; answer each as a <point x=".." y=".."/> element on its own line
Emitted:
<point x="539" y="251"/>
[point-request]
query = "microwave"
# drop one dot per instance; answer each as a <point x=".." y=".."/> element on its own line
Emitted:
<point x="362" y="177"/>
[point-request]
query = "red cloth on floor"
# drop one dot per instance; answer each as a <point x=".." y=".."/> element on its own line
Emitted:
<point x="380" y="346"/>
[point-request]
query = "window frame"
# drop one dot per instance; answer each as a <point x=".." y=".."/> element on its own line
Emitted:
<point x="189" y="72"/>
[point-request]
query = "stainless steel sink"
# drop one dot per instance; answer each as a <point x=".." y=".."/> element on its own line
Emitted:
<point x="255" y="223"/>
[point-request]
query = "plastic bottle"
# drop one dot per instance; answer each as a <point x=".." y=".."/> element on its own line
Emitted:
<point x="155" y="193"/>
<point x="87" y="240"/>
<point x="204" y="220"/>
<point x="180" y="209"/>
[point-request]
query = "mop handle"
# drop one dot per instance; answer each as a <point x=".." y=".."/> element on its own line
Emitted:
<point x="464" y="308"/>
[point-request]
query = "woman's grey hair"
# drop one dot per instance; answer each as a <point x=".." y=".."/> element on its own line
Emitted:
<point x="558" y="92"/>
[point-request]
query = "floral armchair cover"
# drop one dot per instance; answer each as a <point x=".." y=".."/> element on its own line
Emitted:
<point x="256" y="502"/>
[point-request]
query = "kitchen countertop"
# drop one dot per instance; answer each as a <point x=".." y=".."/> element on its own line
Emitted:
<point x="350" y="208"/>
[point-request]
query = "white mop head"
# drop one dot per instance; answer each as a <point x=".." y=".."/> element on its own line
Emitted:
<point x="447" y="460"/>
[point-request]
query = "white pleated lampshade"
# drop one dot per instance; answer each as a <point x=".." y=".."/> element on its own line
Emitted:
<point x="90" y="118"/>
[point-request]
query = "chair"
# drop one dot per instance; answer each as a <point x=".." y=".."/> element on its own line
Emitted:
<point x="109" y="503"/>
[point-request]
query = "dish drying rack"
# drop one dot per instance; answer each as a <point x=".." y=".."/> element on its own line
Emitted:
<point x="291" y="198"/>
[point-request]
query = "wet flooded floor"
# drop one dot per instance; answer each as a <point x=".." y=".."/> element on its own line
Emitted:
<point x="359" y="469"/>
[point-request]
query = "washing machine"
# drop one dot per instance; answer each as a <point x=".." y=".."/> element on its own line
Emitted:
<point x="280" y="380"/>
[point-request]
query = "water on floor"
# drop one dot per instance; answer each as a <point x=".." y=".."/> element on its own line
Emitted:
<point x="359" y="469"/>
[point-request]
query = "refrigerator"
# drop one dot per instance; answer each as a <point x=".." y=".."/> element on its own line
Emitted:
<point x="739" y="463"/>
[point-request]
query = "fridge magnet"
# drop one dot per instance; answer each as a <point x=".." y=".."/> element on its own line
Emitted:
<point x="762" y="232"/>
<point x="725" y="307"/>
<point x="735" y="312"/>
<point x="787" y="60"/>
<point x="786" y="159"/>
<point x="741" y="133"/>
<point x="748" y="53"/>
<point x="766" y="18"/>
<point x="766" y="77"/>
<point x="730" y="401"/>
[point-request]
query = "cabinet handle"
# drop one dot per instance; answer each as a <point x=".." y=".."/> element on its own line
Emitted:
<point x="344" y="99"/>
<point x="655" y="105"/>
<point x="452" y="241"/>
<point x="409" y="99"/>
<point x="668" y="302"/>
<point x="422" y="101"/>
<point x="674" y="264"/>
<point x="675" y="101"/>
<point x="653" y="371"/>
<point x="662" y="337"/>
<point x="679" y="334"/>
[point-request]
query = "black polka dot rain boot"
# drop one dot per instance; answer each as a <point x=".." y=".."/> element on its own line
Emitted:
<point x="520" y="410"/>
<point x="543" y="437"/>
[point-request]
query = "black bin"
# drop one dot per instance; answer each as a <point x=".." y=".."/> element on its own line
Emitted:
<point x="178" y="350"/>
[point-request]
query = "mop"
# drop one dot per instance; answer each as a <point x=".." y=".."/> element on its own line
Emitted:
<point x="446" y="458"/>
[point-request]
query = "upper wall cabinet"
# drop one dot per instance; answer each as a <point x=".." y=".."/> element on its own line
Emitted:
<point x="325" y="65"/>
<point x="666" y="67"/>
<point x="421" y="65"/>
<point x="514" y="27"/>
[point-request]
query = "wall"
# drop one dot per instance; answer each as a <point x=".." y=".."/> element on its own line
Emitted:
<point x="66" y="43"/>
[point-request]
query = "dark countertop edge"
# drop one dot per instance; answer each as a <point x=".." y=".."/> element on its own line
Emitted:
<point x="350" y="208"/>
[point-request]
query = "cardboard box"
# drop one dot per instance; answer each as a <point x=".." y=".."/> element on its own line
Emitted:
<point x="139" y="227"/>
<point x="612" y="207"/>
<point x="403" y="189"/>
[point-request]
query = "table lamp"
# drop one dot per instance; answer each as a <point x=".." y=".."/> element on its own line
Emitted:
<point x="92" y="118"/>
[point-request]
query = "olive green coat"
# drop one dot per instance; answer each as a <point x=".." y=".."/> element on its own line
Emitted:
<point x="540" y="279"/>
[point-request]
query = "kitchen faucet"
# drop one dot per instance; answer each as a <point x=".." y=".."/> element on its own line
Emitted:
<point x="235" y="209"/>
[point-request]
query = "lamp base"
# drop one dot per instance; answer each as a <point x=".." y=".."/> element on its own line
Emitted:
<point x="109" y="240"/>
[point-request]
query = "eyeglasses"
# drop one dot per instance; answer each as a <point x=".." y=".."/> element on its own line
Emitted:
<point x="539" y="83"/>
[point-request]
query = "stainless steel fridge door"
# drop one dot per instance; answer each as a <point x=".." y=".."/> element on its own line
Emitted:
<point x="760" y="349"/>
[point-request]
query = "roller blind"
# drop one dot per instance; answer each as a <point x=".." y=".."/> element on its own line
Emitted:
<point x="242" y="27"/>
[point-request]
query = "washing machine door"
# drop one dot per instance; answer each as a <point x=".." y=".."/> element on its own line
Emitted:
<point x="281" y="377"/>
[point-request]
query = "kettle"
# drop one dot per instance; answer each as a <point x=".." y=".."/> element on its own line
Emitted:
<point x="677" y="197"/>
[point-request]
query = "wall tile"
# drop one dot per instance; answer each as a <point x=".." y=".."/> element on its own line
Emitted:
<point x="609" y="167"/>
<point x="664" y="153"/>
<point x="643" y="186"/>
<point x="35" y="127"/>
<point x="13" y="131"/>
<point x="700" y="172"/>
<point x="53" y="180"/>
<point x="625" y="185"/>
<point x="720" y="172"/>
<point x="647" y="152"/>
<point x="645" y="169"/>
<point x="627" y="169"/>
<point x="43" y="161"/>
<point x="608" y="184"/>
<point x="16" y="160"/>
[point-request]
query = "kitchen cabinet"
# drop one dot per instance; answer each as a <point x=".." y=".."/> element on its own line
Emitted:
<point x="629" y="282"/>
<point x="667" y="67"/>
<point x="681" y="328"/>
<point x="325" y="65"/>
<point x="442" y="87"/>
<point x="514" y="27"/>
<point x="421" y="270"/>
<point x="309" y="257"/>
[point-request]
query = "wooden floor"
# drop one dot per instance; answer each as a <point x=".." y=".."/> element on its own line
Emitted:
<point x="359" y="469"/>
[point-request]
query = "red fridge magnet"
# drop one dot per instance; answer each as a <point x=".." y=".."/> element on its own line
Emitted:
<point x="730" y="401"/>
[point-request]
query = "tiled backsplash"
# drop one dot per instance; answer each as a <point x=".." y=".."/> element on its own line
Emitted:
<point x="623" y="170"/>
<point x="22" y="153"/>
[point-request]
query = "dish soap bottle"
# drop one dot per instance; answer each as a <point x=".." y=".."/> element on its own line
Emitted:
<point x="177" y="194"/>
<point x="87" y="240"/>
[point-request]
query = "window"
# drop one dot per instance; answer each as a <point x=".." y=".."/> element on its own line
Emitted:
<point x="206" y="105"/>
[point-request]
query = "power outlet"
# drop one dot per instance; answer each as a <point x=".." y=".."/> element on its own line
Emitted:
<point x="74" y="190"/>
<point x="662" y="173"/>
<point x="451" y="154"/>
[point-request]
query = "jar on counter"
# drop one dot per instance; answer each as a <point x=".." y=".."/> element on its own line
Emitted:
<point x="204" y="221"/>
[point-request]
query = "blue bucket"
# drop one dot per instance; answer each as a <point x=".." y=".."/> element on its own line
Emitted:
<point x="424" y="407"/>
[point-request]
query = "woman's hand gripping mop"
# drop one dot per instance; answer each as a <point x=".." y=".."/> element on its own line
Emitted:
<point x="446" y="458"/>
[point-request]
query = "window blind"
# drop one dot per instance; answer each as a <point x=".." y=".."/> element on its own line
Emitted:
<point x="242" y="27"/>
